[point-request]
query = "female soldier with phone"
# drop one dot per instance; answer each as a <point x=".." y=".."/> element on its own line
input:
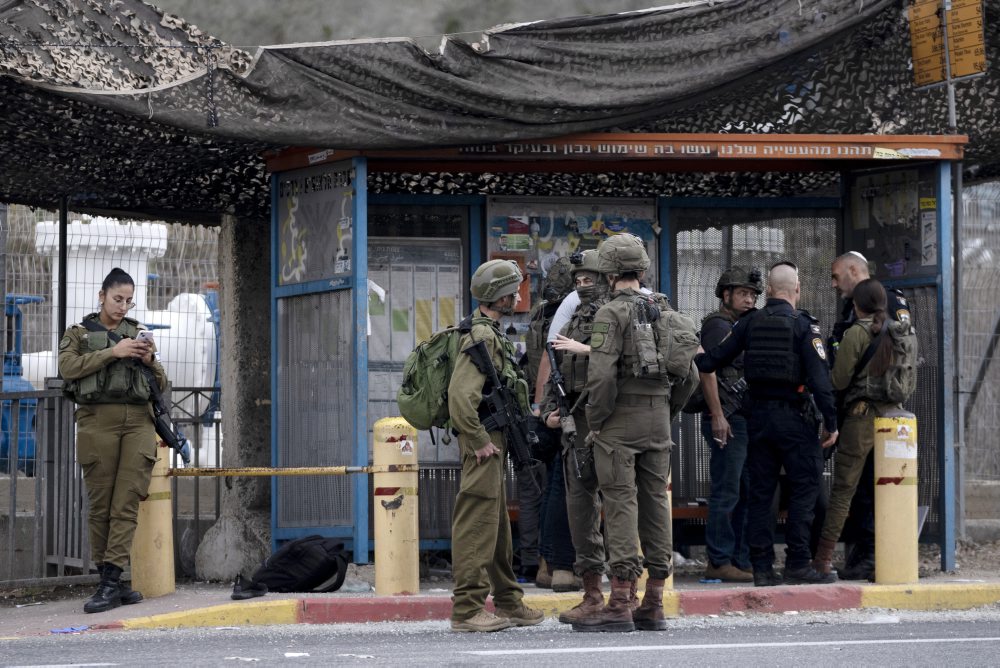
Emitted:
<point x="99" y="361"/>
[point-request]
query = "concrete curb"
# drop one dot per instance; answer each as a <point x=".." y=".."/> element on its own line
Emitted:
<point x="818" y="598"/>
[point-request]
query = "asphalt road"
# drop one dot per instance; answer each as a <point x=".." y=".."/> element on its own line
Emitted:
<point x="970" y="638"/>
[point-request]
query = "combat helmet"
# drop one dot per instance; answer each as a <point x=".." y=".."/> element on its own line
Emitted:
<point x="622" y="253"/>
<point x="739" y="277"/>
<point x="584" y="261"/>
<point x="495" y="279"/>
<point x="558" y="280"/>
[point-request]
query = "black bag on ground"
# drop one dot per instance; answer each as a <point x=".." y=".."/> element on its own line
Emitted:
<point x="310" y="564"/>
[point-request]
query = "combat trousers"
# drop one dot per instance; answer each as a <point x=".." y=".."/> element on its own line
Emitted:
<point x="116" y="448"/>
<point x="480" y="536"/>
<point x="781" y="437"/>
<point x="632" y="456"/>
<point x="583" y="506"/>
<point x="857" y="439"/>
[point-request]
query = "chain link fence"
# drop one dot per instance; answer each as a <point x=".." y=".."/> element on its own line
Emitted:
<point x="980" y="330"/>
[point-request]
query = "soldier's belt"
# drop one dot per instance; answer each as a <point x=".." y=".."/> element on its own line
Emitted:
<point x="642" y="399"/>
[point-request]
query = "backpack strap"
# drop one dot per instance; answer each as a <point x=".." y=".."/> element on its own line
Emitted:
<point x="869" y="354"/>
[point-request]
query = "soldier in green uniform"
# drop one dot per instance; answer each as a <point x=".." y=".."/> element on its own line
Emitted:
<point x="583" y="502"/>
<point x="629" y="420"/>
<point x="482" y="556"/>
<point x="115" y="436"/>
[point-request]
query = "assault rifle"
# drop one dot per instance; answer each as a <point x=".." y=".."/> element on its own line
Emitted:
<point x="581" y="456"/>
<point x="161" y="412"/>
<point x="505" y="411"/>
<point x="566" y="419"/>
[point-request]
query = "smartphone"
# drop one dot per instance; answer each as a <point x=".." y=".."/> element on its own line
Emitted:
<point x="144" y="335"/>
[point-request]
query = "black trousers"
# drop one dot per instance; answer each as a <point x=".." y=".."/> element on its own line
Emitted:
<point x="780" y="437"/>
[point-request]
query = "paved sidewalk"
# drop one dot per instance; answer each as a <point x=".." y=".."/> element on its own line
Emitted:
<point x="209" y="605"/>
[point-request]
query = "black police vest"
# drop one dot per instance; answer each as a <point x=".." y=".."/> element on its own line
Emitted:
<point x="771" y="355"/>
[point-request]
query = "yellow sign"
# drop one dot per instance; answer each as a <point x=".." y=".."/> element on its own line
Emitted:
<point x="966" y="43"/>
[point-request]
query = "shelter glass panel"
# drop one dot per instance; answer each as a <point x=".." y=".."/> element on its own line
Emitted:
<point x="415" y="289"/>
<point x="315" y="407"/>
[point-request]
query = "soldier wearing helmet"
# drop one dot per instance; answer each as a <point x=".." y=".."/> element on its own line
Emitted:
<point x="583" y="502"/>
<point x="725" y="430"/>
<point x="629" y="421"/>
<point x="482" y="556"/>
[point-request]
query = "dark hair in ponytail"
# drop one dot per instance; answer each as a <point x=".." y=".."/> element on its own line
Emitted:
<point x="869" y="297"/>
<point x="116" y="277"/>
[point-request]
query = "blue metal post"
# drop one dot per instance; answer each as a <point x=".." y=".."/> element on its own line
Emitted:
<point x="359" y="252"/>
<point x="946" y="315"/>
<point x="275" y="241"/>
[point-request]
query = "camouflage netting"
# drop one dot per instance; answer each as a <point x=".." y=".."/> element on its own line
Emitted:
<point x="121" y="108"/>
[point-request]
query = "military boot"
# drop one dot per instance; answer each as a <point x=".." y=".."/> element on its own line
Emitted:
<point x="108" y="594"/>
<point x="593" y="600"/>
<point x="823" y="561"/>
<point x="616" y="616"/>
<point x="128" y="595"/>
<point x="649" y="616"/>
<point x="633" y="598"/>
<point x="859" y="564"/>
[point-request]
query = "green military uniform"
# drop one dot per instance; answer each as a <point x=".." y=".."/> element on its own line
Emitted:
<point x="482" y="556"/>
<point x="115" y="438"/>
<point x="583" y="503"/>
<point x="857" y="433"/>
<point x="632" y="448"/>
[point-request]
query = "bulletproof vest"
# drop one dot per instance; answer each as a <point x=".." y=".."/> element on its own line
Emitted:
<point x="120" y="382"/>
<point x="734" y="371"/>
<point x="771" y="355"/>
<point x="579" y="328"/>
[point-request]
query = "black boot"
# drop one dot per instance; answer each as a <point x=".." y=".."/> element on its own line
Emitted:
<point x="859" y="564"/>
<point x="766" y="578"/>
<point x="108" y="594"/>
<point x="808" y="575"/>
<point x="128" y="595"/>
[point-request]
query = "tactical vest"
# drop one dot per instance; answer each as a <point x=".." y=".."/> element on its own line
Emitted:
<point x="120" y="382"/>
<point x="733" y="372"/>
<point x="664" y="342"/>
<point x="771" y="355"/>
<point x="579" y="328"/>
<point x="510" y="374"/>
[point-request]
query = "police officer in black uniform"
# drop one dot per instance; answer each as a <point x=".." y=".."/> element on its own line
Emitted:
<point x="846" y="272"/>
<point x="784" y="355"/>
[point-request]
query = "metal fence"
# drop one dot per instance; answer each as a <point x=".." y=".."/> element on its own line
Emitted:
<point x="980" y="330"/>
<point x="43" y="503"/>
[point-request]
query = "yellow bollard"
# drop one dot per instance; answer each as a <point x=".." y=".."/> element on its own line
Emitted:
<point x="396" y="509"/>
<point x="153" y="545"/>
<point x="896" y="560"/>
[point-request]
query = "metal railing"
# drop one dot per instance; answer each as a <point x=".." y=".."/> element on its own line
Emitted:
<point x="43" y="503"/>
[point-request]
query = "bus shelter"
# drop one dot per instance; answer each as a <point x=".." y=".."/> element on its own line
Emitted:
<point x="372" y="252"/>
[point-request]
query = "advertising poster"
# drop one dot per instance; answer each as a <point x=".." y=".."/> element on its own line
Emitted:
<point x="315" y="223"/>
<point x="537" y="232"/>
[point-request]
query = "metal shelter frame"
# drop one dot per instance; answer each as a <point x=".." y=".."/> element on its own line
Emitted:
<point x="616" y="152"/>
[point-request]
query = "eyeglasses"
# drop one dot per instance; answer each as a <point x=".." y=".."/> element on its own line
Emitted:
<point x="129" y="304"/>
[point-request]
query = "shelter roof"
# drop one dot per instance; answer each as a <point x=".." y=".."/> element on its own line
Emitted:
<point x="121" y="108"/>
